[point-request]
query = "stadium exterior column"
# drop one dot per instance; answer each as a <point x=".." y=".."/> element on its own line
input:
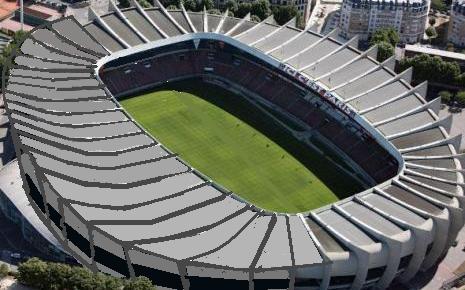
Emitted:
<point x="362" y="253"/>
<point x="394" y="244"/>
<point x="441" y="230"/>
<point x="421" y="234"/>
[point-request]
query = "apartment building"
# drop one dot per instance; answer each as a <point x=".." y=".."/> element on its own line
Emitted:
<point x="457" y="23"/>
<point x="363" y="17"/>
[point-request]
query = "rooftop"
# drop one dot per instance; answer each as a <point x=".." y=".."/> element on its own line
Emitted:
<point x="434" y="51"/>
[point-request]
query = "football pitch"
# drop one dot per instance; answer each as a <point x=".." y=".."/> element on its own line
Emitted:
<point x="240" y="147"/>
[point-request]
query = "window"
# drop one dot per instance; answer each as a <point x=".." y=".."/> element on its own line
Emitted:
<point x="160" y="278"/>
<point x="111" y="261"/>
<point x="341" y="280"/>
<point x="78" y="240"/>
<point x="35" y="194"/>
<point x="55" y="217"/>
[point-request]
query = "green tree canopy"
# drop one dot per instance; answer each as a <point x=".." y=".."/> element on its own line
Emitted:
<point x="389" y="35"/>
<point x="431" y="32"/>
<point x="4" y="270"/>
<point x="55" y="276"/>
<point x="190" y="5"/>
<point x="261" y="8"/>
<point x="445" y="96"/>
<point x="208" y="4"/>
<point x="139" y="283"/>
<point x="232" y="6"/>
<point x="171" y="3"/>
<point x="282" y="14"/>
<point x="58" y="276"/>
<point x="432" y="69"/>
<point x="124" y="3"/>
<point x="385" y="51"/>
<point x="144" y="3"/>
<point x="82" y="279"/>
<point x="242" y="9"/>
<point x="255" y="18"/>
<point x="432" y="21"/>
<point x="214" y="11"/>
<point x="439" y="5"/>
<point x="33" y="273"/>
<point x="460" y="98"/>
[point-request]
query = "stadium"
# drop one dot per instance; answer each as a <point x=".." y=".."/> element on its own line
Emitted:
<point x="122" y="203"/>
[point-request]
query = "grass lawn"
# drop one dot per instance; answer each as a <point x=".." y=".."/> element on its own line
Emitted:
<point x="225" y="137"/>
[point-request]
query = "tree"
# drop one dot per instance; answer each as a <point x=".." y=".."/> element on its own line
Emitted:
<point x="55" y="276"/>
<point x="113" y="282"/>
<point x="255" y="18"/>
<point x="33" y="272"/>
<point x="460" y="80"/>
<point x="445" y="96"/>
<point x="81" y="279"/>
<point x="431" y="32"/>
<point x="208" y="4"/>
<point x="214" y="11"/>
<point x="243" y="9"/>
<point x="144" y="3"/>
<point x="432" y="21"/>
<point x="168" y="3"/>
<point x="433" y="69"/>
<point x="58" y="276"/>
<point x="124" y="3"/>
<point x="232" y="6"/>
<point x="7" y="51"/>
<point x="261" y="8"/>
<point x="4" y="270"/>
<point x="190" y="5"/>
<point x="139" y="283"/>
<point x="385" y="51"/>
<point x="439" y="5"/>
<point x="172" y="7"/>
<point x="282" y="14"/>
<point x="389" y="35"/>
<point x="460" y="98"/>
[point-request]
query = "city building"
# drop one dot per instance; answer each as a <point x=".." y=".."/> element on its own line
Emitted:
<point x="407" y="17"/>
<point x="34" y="14"/>
<point x="456" y="32"/>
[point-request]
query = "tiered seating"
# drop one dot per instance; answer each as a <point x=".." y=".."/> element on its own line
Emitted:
<point x="331" y="129"/>
<point x="315" y="118"/>
<point x="346" y="139"/>
<point x="367" y="153"/>
<point x="300" y="108"/>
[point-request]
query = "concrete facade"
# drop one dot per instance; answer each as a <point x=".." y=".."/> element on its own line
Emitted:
<point x="363" y="18"/>
<point x="456" y="31"/>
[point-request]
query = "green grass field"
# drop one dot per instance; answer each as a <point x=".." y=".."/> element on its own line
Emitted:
<point x="225" y="137"/>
